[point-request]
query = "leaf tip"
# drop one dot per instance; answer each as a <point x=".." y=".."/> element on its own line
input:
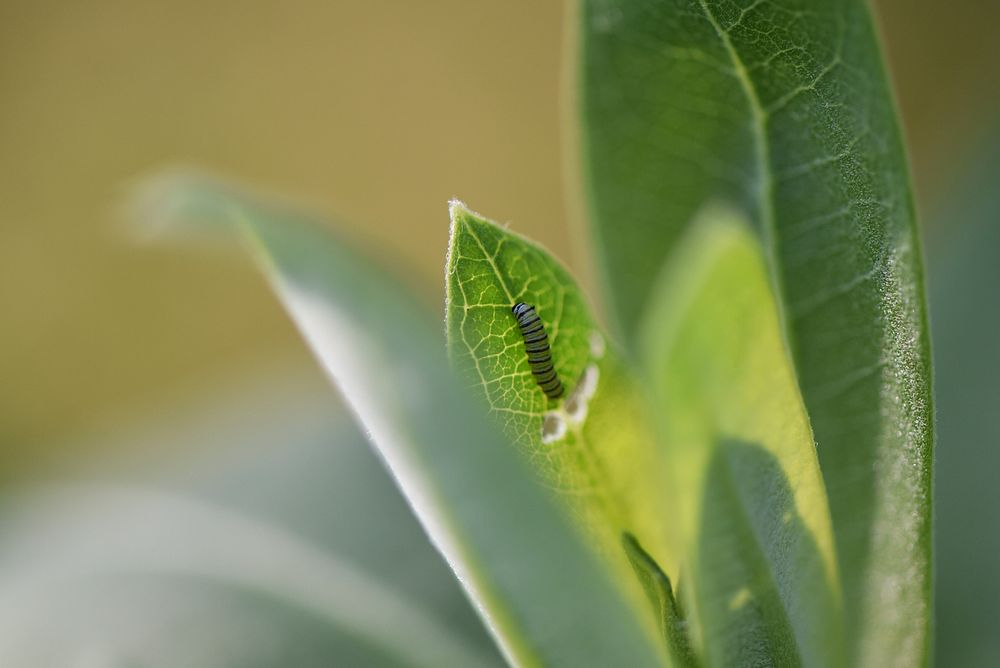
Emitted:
<point x="457" y="208"/>
<point x="461" y="214"/>
<point x="176" y="201"/>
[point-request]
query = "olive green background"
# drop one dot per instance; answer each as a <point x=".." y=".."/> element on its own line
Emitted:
<point x="374" y="112"/>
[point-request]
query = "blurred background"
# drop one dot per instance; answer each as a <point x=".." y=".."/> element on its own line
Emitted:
<point x="119" y="358"/>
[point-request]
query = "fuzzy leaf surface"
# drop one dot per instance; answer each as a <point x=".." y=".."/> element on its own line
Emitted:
<point x="782" y="109"/>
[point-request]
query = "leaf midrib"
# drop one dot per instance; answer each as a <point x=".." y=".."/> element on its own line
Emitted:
<point x="762" y="153"/>
<point x="492" y="260"/>
<point x="765" y="209"/>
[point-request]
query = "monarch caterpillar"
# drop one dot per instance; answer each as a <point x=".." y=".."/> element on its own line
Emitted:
<point x="536" y="344"/>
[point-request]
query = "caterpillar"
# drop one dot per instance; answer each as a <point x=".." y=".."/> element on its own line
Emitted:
<point x="536" y="344"/>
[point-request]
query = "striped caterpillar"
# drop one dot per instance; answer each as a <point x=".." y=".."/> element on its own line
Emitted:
<point x="536" y="344"/>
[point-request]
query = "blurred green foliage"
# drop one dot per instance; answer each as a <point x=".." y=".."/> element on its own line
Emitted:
<point x="964" y="279"/>
<point x="303" y="97"/>
<point x="151" y="568"/>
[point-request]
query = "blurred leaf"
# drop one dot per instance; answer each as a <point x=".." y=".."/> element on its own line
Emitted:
<point x="749" y="509"/>
<point x="782" y="109"/>
<point x="593" y="445"/>
<point x="256" y="558"/>
<point x="544" y="595"/>
<point x="299" y="463"/>
<point x="122" y="542"/>
<point x="963" y="275"/>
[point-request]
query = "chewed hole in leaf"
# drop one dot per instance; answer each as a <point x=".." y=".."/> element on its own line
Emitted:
<point x="588" y="382"/>
<point x="553" y="427"/>
<point x="577" y="402"/>
<point x="576" y="410"/>
<point x="597" y="345"/>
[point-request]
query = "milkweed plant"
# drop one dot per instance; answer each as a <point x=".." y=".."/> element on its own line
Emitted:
<point x="723" y="458"/>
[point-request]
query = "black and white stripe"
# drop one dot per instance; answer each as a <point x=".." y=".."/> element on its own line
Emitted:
<point x="536" y="344"/>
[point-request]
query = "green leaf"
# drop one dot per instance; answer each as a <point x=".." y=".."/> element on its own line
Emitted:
<point x="134" y="555"/>
<point x="964" y="274"/>
<point x="250" y="553"/>
<point x="594" y="446"/>
<point x="545" y="596"/>
<point x="750" y="511"/>
<point x="782" y="109"/>
<point x="657" y="585"/>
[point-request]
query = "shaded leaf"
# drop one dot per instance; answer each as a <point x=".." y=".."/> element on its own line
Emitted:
<point x="657" y="585"/>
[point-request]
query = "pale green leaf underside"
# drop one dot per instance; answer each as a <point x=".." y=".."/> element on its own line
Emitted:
<point x="545" y="597"/>
<point x="750" y="514"/>
<point x="781" y="108"/>
<point x="119" y="541"/>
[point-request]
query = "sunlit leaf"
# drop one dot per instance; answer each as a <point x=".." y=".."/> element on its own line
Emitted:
<point x="593" y="445"/>
<point x="749" y="509"/>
